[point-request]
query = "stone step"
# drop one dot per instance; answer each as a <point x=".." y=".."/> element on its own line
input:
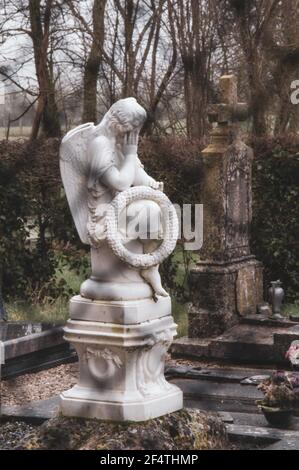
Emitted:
<point x="215" y="374"/>
<point x="38" y="360"/>
<point x="290" y="443"/>
<point x="246" y="428"/>
<point x="29" y="347"/>
<point x="251" y="434"/>
<point x="231" y="397"/>
<point x="35" y="412"/>
<point x="215" y="396"/>
<point x="253" y="419"/>
<point x="196" y="348"/>
<point x="243" y="343"/>
<point x="246" y="344"/>
<point x="262" y="320"/>
<point x="253" y="428"/>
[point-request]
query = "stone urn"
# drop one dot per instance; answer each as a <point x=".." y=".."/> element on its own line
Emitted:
<point x="276" y="296"/>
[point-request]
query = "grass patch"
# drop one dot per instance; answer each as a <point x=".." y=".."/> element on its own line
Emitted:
<point x="179" y="312"/>
<point x="291" y="309"/>
<point x="47" y="312"/>
<point x="57" y="311"/>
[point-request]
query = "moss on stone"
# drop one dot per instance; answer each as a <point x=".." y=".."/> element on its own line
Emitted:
<point x="186" y="429"/>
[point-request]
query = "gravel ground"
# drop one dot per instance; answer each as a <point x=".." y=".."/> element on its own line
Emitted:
<point x="12" y="434"/>
<point x="38" y="386"/>
<point x="51" y="382"/>
<point x="43" y="385"/>
<point x="48" y="383"/>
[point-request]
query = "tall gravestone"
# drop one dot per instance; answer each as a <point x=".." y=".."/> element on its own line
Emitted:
<point x="226" y="283"/>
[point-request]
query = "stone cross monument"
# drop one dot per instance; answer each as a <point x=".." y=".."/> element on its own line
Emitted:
<point x="121" y="323"/>
<point x="227" y="281"/>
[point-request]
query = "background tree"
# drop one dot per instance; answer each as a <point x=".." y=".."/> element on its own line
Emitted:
<point x="197" y="36"/>
<point x="252" y="19"/>
<point x="74" y="58"/>
<point x="41" y="17"/>
<point x="281" y="42"/>
<point x="95" y="55"/>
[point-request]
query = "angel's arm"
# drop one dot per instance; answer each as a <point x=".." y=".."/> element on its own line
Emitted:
<point x="121" y="179"/>
<point x="143" y="179"/>
<point x="103" y="166"/>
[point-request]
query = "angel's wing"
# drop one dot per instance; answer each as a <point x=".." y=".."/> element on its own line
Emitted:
<point x="74" y="168"/>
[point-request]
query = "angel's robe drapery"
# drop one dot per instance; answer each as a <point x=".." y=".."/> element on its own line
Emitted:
<point x="104" y="154"/>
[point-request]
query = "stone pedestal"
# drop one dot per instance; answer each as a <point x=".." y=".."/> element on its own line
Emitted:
<point x="222" y="294"/>
<point x="121" y="347"/>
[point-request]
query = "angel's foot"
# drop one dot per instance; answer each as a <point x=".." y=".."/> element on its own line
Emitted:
<point x="152" y="276"/>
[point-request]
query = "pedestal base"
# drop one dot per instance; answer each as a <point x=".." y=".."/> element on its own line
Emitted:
<point x="222" y="294"/>
<point x="76" y="402"/>
<point x="121" y="364"/>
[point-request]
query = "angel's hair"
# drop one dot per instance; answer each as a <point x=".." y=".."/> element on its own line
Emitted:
<point x="124" y="115"/>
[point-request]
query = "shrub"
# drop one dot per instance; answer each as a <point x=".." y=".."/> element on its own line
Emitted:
<point x="176" y="162"/>
<point x="275" y="224"/>
<point x="31" y="189"/>
<point x="31" y="199"/>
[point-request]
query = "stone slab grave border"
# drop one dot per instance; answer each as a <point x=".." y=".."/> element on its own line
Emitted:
<point x="207" y="388"/>
<point x="232" y="393"/>
<point x="36" y="346"/>
<point x="255" y="340"/>
<point x="230" y="389"/>
<point x="254" y="434"/>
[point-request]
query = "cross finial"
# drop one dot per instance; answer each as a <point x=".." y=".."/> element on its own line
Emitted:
<point x="228" y="110"/>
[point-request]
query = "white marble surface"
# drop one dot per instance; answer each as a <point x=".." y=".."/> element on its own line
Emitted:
<point x="121" y="324"/>
<point x="75" y="403"/>
<point x="121" y="370"/>
<point x="120" y="312"/>
<point x="102" y="177"/>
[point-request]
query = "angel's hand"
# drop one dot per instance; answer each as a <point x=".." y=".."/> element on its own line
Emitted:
<point x="131" y="143"/>
<point x="132" y="137"/>
<point x="156" y="185"/>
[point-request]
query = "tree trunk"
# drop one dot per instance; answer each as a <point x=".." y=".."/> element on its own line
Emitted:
<point x="3" y="313"/>
<point x="93" y="64"/>
<point x="258" y="108"/>
<point x="157" y="92"/>
<point x="195" y="27"/>
<point x="47" y="112"/>
<point x="130" y="17"/>
<point x="252" y="21"/>
<point x="257" y="91"/>
<point x="196" y="97"/>
<point x="284" y="110"/>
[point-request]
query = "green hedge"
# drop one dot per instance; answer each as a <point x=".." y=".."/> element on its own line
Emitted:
<point x="30" y="186"/>
<point x="31" y="199"/>
<point x="275" y="226"/>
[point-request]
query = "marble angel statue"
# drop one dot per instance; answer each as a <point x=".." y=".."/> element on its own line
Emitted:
<point x="107" y="189"/>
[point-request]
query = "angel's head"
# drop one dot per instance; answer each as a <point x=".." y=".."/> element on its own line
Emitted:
<point x="124" y="116"/>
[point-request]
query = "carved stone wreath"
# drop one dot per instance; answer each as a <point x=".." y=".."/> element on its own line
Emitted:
<point x="169" y="223"/>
